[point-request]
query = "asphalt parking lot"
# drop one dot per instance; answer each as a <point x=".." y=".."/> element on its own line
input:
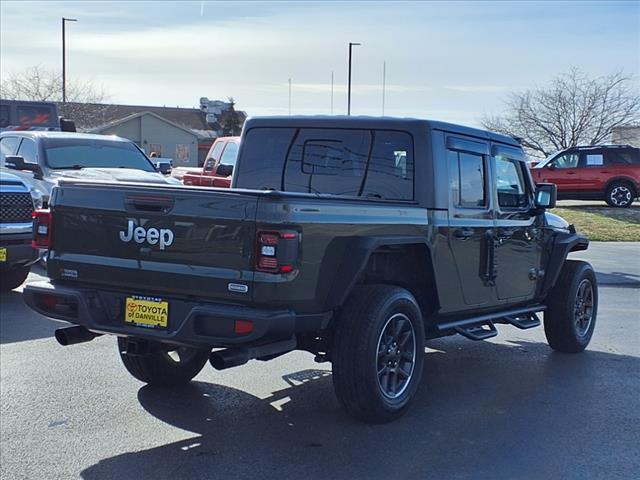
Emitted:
<point x="505" y="408"/>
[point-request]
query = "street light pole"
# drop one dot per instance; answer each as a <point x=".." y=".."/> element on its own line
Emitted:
<point x="64" y="59"/>
<point x="351" y="44"/>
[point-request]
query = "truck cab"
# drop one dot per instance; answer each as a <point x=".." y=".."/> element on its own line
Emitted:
<point x="218" y="166"/>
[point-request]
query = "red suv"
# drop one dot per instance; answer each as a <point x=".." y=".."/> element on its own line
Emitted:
<point x="607" y="172"/>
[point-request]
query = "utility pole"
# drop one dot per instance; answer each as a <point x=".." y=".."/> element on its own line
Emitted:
<point x="64" y="59"/>
<point x="331" y="92"/>
<point x="289" y="97"/>
<point x="351" y="44"/>
<point x="384" y="82"/>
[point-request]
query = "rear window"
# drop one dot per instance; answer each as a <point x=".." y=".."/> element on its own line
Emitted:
<point x="368" y="163"/>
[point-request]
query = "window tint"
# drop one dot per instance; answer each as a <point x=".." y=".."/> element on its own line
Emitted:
<point x="230" y="154"/>
<point x="4" y="116"/>
<point x="327" y="161"/>
<point x="8" y="146"/>
<point x="568" y="160"/>
<point x="332" y="161"/>
<point x="37" y="116"/>
<point x="467" y="175"/>
<point x="27" y="150"/>
<point x="81" y="153"/>
<point x="390" y="171"/>
<point x="623" y="157"/>
<point x="510" y="183"/>
<point x="217" y="149"/>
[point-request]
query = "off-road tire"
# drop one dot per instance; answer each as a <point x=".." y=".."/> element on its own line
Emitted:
<point x="13" y="278"/>
<point x="355" y="355"/>
<point x="158" y="367"/>
<point x="564" y="325"/>
<point x="620" y="194"/>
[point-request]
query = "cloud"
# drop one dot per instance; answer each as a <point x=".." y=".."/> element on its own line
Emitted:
<point x="477" y="88"/>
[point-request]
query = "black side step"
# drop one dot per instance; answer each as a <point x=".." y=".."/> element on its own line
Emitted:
<point x="524" y="322"/>
<point x="478" y="332"/>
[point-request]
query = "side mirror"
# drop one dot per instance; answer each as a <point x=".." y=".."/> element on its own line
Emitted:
<point x="224" y="170"/>
<point x="16" y="162"/>
<point x="546" y="195"/>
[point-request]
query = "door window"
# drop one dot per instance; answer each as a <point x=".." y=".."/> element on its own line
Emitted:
<point x="216" y="151"/>
<point x="510" y="183"/>
<point x="8" y="146"/>
<point x="27" y="150"/>
<point x="467" y="174"/>
<point x="594" y="160"/>
<point x="568" y="160"/>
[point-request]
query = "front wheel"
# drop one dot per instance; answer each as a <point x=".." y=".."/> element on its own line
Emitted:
<point x="164" y="364"/>
<point x="378" y="352"/>
<point x="572" y="307"/>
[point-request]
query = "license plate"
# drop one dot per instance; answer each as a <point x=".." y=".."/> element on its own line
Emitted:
<point x="153" y="313"/>
<point x="3" y="254"/>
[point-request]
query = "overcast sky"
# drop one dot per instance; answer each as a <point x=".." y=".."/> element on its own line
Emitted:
<point x="452" y="61"/>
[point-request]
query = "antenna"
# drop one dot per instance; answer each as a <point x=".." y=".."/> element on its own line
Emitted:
<point x="331" y="92"/>
<point x="384" y="82"/>
<point x="289" y="96"/>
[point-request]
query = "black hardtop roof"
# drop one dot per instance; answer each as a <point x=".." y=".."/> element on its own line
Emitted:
<point x="343" y="121"/>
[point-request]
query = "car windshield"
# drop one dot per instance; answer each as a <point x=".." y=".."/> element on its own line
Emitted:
<point x="546" y="161"/>
<point x="76" y="153"/>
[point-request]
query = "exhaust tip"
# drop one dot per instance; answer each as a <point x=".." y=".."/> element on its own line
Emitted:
<point x="61" y="337"/>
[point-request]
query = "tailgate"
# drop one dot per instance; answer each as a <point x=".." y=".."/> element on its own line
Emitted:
<point x="183" y="241"/>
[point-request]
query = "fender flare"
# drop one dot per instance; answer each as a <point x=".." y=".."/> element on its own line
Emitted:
<point x="561" y="244"/>
<point x="343" y="268"/>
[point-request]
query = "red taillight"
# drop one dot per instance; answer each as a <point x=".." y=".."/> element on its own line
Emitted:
<point x="42" y="229"/>
<point x="277" y="252"/>
<point x="242" y="327"/>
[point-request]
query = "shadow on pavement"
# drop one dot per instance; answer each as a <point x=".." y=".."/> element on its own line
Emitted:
<point x="484" y="411"/>
<point x="19" y="323"/>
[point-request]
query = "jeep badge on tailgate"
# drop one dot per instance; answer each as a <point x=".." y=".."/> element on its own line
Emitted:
<point x="164" y="237"/>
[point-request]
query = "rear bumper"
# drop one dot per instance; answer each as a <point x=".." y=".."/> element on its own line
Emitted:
<point x="19" y="251"/>
<point x="196" y="324"/>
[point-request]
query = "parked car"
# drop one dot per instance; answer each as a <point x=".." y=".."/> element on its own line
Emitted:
<point x="41" y="159"/>
<point x="26" y="115"/>
<point x="351" y="238"/>
<point x="218" y="166"/>
<point x="16" y="231"/>
<point x="603" y="172"/>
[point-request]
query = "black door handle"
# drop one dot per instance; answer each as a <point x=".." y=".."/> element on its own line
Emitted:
<point x="463" y="233"/>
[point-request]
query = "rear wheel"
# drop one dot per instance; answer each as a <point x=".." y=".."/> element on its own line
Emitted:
<point x="13" y="278"/>
<point x="572" y="308"/>
<point x="163" y="364"/>
<point x="620" y="194"/>
<point x="378" y="352"/>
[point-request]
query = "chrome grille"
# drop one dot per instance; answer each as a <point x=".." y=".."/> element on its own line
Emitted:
<point x="15" y="207"/>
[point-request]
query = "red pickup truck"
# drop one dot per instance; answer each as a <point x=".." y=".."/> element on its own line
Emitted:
<point x="218" y="167"/>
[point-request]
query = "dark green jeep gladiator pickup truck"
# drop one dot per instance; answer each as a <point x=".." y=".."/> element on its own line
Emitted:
<point x="355" y="239"/>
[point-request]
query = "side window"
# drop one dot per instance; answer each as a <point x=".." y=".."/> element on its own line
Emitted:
<point x="568" y="160"/>
<point x="510" y="183"/>
<point x="390" y="171"/>
<point x="623" y="157"/>
<point x="467" y="184"/>
<point x="8" y="146"/>
<point x="27" y="150"/>
<point x="230" y="154"/>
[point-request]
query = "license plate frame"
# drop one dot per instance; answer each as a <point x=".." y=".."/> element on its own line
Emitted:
<point x="146" y="312"/>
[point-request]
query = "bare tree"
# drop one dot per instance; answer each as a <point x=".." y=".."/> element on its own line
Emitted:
<point x="40" y="84"/>
<point x="573" y="109"/>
